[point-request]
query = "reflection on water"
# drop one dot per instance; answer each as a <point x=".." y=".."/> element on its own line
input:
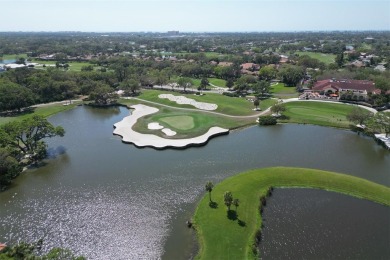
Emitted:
<point x="316" y="224"/>
<point x="110" y="200"/>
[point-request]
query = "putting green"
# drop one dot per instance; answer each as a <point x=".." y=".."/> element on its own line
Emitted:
<point x="179" y="122"/>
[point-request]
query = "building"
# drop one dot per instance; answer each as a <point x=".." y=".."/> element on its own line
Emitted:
<point x="345" y="89"/>
<point x="173" y="32"/>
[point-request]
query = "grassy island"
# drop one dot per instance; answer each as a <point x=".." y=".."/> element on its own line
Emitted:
<point x="222" y="236"/>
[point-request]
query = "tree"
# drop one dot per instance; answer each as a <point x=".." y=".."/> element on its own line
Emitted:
<point x="103" y="95"/>
<point x="26" y="135"/>
<point x="184" y="82"/>
<point x="228" y="199"/>
<point x="161" y="78"/>
<point x="267" y="120"/>
<point x="262" y="87"/>
<point x="209" y="187"/>
<point x="204" y="83"/>
<point x="359" y="115"/>
<point x="267" y="72"/>
<point x="130" y="86"/>
<point x="9" y="168"/>
<point x="339" y="59"/>
<point x="380" y="122"/>
<point x="33" y="251"/>
<point x="229" y="83"/>
<point x="291" y="75"/>
<point x="14" y="96"/>
<point x="278" y="108"/>
<point x="256" y="103"/>
<point x="236" y="203"/>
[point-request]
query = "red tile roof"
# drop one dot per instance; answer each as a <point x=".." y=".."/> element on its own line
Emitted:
<point x="249" y="66"/>
<point x="367" y="85"/>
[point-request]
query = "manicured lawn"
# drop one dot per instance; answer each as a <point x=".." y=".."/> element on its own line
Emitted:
<point x="179" y="122"/>
<point x="73" y="66"/>
<point x="167" y="117"/>
<point x="195" y="82"/>
<point x="226" y="105"/>
<point x="13" y="56"/>
<point x="318" y="113"/>
<point x="323" y="57"/>
<point x="45" y="111"/>
<point x="281" y="91"/>
<point x="224" y="238"/>
<point x="218" y="82"/>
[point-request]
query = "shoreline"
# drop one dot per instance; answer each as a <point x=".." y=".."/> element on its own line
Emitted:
<point x="124" y="129"/>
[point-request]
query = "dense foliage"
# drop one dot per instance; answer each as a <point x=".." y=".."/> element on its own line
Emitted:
<point x="21" y="142"/>
<point x="129" y="61"/>
<point x="267" y="120"/>
<point x="33" y="251"/>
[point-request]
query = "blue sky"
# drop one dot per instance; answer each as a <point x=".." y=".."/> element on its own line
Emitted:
<point x="194" y="15"/>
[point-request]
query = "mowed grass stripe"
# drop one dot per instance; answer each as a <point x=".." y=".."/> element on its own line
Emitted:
<point x="318" y="113"/>
<point x="222" y="238"/>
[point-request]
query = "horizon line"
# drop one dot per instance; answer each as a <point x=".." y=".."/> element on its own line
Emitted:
<point x="150" y="31"/>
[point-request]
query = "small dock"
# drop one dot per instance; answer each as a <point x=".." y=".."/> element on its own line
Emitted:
<point x="384" y="140"/>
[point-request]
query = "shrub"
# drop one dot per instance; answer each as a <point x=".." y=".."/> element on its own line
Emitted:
<point x="267" y="120"/>
<point x="230" y="94"/>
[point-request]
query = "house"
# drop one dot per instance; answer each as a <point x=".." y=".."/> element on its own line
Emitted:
<point x="346" y="89"/>
<point x="250" y="66"/>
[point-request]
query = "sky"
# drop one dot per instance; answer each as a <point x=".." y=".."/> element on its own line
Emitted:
<point x="194" y="15"/>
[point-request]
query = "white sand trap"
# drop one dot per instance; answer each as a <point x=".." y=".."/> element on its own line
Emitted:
<point x="168" y="132"/>
<point x="124" y="129"/>
<point x="155" y="126"/>
<point x="188" y="101"/>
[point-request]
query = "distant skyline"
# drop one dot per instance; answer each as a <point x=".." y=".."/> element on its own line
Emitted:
<point x="194" y="15"/>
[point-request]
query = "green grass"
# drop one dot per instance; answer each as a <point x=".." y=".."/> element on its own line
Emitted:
<point x="223" y="238"/>
<point x="45" y="111"/>
<point x="13" y="56"/>
<point x="202" y="121"/>
<point x="226" y="105"/>
<point x="318" y="113"/>
<point x="179" y="122"/>
<point x="73" y="65"/>
<point x="218" y="82"/>
<point x="279" y="90"/>
<point x="323" y="57"/>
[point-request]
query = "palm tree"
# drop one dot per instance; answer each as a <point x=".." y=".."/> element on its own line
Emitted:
<point x="209" y="187"/>
<point x="228" y="198"/>
<point x="236" y="203"/>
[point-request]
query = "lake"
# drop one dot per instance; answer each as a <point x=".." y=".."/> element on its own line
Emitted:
<point x="108" y="200"/>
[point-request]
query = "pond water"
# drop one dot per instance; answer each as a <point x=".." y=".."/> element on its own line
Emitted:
<point x="2" y="62"/>
<point x="108" y="200"/>
<point x="316" y="224"/>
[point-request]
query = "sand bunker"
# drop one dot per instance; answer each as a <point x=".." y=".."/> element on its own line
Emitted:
<point x="155" y="126"/>
<point x="188" y="101"/>
<point x="168" y="132"/>
<point x="124" y="129"/>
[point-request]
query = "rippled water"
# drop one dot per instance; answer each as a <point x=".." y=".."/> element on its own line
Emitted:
<point x="109" y="200"/>
<point x="316" y="224"/>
